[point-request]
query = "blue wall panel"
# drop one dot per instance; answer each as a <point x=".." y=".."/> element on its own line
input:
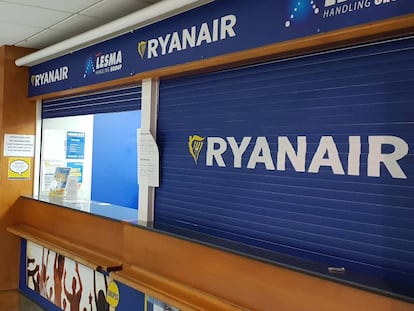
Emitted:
<point x="363" y="223"/>
<point x="114" y="169"/>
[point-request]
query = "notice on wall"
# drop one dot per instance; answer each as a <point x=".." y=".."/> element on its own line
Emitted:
<point x="75" y="145"/>
<point x="16" y="145"/>
<point x="19" y="168"/>
<point x="148" y="159"/>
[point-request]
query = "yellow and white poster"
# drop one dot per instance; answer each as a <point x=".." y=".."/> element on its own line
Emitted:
<point x="19" y="168"/>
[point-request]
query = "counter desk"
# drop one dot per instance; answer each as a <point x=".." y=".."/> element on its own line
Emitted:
<point x="184" y="270"/>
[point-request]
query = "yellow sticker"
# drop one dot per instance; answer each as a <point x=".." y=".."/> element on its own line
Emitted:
<point x="112" y="296"/>
<point x="19" y="168"/>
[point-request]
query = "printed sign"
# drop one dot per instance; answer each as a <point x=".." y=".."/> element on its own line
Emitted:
<point x="16" y="145"/>
<point x="218" y="28"/>
<point x="148" y="160"/>
<point x="75" y="145"/>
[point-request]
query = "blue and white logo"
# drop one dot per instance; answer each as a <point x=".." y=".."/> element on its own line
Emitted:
<point x="300" y="10"/>
<point x="89" y="67"/>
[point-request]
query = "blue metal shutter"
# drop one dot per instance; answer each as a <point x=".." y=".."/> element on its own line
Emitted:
<point x="364" y="224"/>
<point x="123" y="99"/>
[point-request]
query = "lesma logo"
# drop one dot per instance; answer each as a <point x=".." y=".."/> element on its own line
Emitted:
<point x="273" y="156"/>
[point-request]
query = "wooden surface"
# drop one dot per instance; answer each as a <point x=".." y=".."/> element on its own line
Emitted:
<point x="192" y="275"/>
<point x="12" y="300"/>
<point x="85" y="255"/>
<point x="170" y="291"/>
<point x="17" y="116"/>
<point x="9" y="300"/>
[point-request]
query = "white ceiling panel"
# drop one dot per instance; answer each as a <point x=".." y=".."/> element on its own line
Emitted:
<point x="11" y="33"/>
<point x="46" y="38"/>
<point x="29" y="16"/>
<point x="71" y="6"/>
<point x="106" y="8"/>
<point x="71" y="26"/>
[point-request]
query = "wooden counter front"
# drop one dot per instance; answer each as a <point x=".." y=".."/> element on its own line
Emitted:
<point x="190" y="275"/>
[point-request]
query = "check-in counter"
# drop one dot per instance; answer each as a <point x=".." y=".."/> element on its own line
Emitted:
<point x="187" y="273"/>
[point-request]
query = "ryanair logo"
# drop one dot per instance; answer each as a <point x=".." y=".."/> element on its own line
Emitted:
<point x="274" y="154"/>
<point x="195" y="144"/>
<point x="208" y="32"/>
<point x="51" y="76"/>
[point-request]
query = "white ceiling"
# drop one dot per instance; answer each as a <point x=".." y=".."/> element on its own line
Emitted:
<point x="41" y="23"/>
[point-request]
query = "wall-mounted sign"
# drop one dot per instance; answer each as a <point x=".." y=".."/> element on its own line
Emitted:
<point x="16" y="145"/>
<point x="19" y="168"/>
<point x="218" y="28"/>
<point x="148" y="160"/>
<point x="75" y="145"/>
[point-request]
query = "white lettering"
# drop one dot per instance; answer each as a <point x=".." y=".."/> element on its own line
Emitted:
<point x="297" y="159"/>
<point x="215" y="154"/>
<point x="163" y="43"/>
<point x="327" y="147"/>
<point x="326" y="154"/>
<point x="238" y="150"/>
<point x="175" y="43"/>
<point x="390" y="160"/>
<point x="354" y="155"/>
<point x="51" y="76"/>
<point x="189" y="38"/>
<point x="206" y="33"/>
<point x="227" y="24"/>
<point x="261" y="154"/>
<point x="152" y="48"/>
<point x="215" y="30"/>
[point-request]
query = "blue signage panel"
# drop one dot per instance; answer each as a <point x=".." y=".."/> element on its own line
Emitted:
<point x="218" y="28"/>
<point x="75" y="145"/>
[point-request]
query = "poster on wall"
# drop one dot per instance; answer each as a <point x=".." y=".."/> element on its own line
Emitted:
<point x="19" y="168"/>
<point x="64" y="282"/>
<point x="75" y="145"/>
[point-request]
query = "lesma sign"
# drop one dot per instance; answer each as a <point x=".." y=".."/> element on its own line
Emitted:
<point x="326" y="154"/>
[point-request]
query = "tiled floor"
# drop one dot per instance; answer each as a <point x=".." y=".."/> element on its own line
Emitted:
<point x="14" y="301"/>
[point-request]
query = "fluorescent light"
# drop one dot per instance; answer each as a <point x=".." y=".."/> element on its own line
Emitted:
<point x="146" y="16"/>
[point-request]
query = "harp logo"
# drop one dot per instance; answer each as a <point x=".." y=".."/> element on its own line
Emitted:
<point x="142" y="46"/>
<point x="195" y="145"/>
